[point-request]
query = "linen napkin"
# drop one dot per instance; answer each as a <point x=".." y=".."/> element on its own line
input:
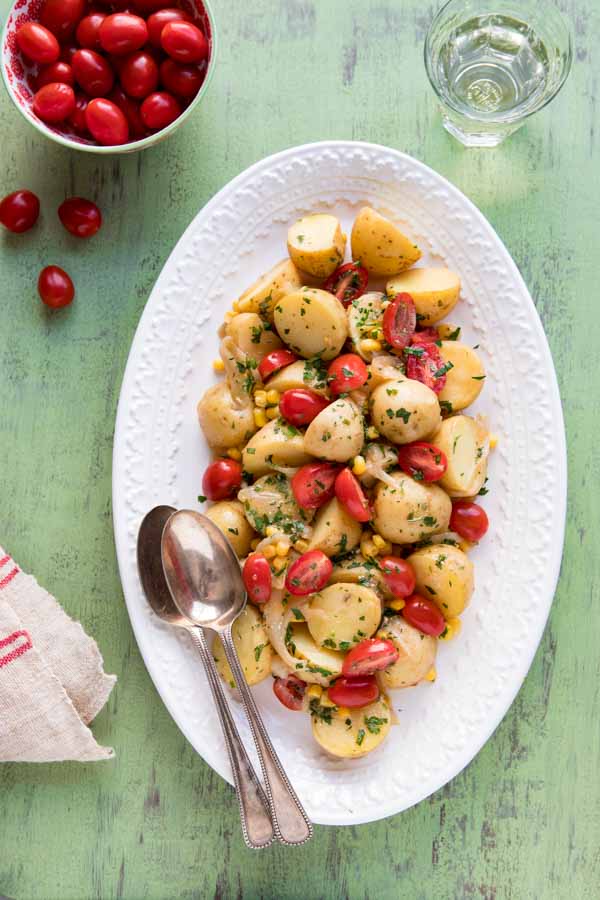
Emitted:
<point x="52" y="680"/>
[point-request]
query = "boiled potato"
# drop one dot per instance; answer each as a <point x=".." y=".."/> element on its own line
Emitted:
<point x="316" y="244"/>
<point x="405" y="410"/>
<point x="411" y="511"/>
<point x="252" y="645"/>
<point x="384" y="367"/>
<point x="355" y="569"/>
<point x="253" y="335"/>
<point x="224" y="424"/>
<point x="464" y="380"/>
<point x="434" y="291"/>
<point x="336" y="433"/>
<point x="350" y="733"/>
<point x="445" y="575"/>
<point x="315" y="658"/>
<point x="342" y="615"/>
<point x="380" y="246"/>
<point x="305" y="373"/>
<point x="277" y="443"/>
<point x="448" y="332"/>
<point x="228" y="515"/>
<point x="270" y="501"/>
<point x="365" y="315"/>
<point x="416" y="653"/>
<point x="262" y="296"/>
<point x="312" y="322"/>
<point x="462" y="439"/>
<point x="334" y="530"/>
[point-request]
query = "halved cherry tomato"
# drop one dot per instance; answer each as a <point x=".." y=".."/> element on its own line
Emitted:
<point x="399" y="321"/>
<point x="469" y="520"/>
<point x="299" y="406"/>
<point x="309" y="573"/>
<point x="424" y="363"/>
<point x="347" y="282"/>
<point x="81" y="217"/>
<point x="93" y="73"/>
<point x="370" y="656"/>
<point x="354" y="692"/>
<point x="61" y="16"/>
<point x="258" y="579"/>
<point x="399" y="575"/>
<point x="37" y="43"/>
<point x="182" y="80"/>
<point x="222" y="479"/>
<point x="157" y="21"/>
<point x="159" y="109"/>
<point x="88" y="30"/>
<point x="290" y="691"/>
<point x="54" y="102"/>
<point x="55" y="287"/>
<point x="106" y="122"/>
<point x="139" y="74"/>
<point x="346" y="373"/>
<point x="313" y="484"/>
<point x="425" y="462"/>
<point x="58" y="71"/>
<point x="274" y="361"/>
<point x="351" y="496"/>
<point x="421" y="613"/>
<point x="426" y="336"/>
<point x="184" y="42"/>
<point x="122" y="33"/>
<point x="19" y="211"/>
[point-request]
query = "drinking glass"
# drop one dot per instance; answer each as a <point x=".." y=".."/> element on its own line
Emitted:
<point x="492" y="63"/>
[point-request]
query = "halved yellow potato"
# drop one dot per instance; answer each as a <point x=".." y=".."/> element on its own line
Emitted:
<point x="277" y="443"/>
<point x="252" y="645"/>
<point x="342" y="615"/>
<point x="228" y="515"/>
<point x="416" y="653"/>
<point x="316" y="244"/>
<point x="410" y="511"/>
<point x="315" y="658"/>
<point x="262" y="296"/>
<point x="336" y="433"/>
<point x="464" y="380"/>
<point x="270" y="501"/>
<point x="434" y="290"/>
<point x="462" y="439"/>
<point x="445" y="575"/>
<point x="223" y="423"/>
<point x="253" y="335"/>
<point x="334" y="530"/>
<point x="405" y="410"/>
<point x="312" y="322"/>
<point x="305" y="373"/>
<point x="350" y="733"/>
<point x="384" y="367"/>
<point x="380" y="245"/>
<point x="365" y="316"/>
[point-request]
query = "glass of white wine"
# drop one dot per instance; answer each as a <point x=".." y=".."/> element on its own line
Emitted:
<point x="492" y="63"/>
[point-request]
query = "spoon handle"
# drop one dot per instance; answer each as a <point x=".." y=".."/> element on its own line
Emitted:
<point x="255" y="814"/>
<point x="292" y="825"/>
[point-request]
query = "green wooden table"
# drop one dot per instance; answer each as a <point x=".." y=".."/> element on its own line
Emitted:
<point x="523" y="820"/>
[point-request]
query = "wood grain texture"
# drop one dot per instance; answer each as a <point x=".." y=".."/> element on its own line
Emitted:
<point x="523" y="820"/>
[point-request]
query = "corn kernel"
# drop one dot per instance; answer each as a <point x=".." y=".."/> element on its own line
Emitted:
<point x="343" y="711"/>
<point x="326" y="700"/>
<point x="282" y="548"/>
<point x="234" y="453"/>
<point x="379" y="541"/>
<point x="218" y="365"/>
<point x="260" y="398"/>
<point x="453" y="627"/>
<point x="272" y="412"/>
<point x="372" y="433"/>
<point x="244" y="305"/>
<point x="269" y="551"/>
<point x="367" y="546"/>
<point x="359" y="465"/>
<point x="369" y="345"/>
<point x="465" y="546"/>
<point x="431" y="675"/>
<point x="273" y="397"/>
<point x="254" y="544"/>
<point x="493" y="441"/>
<point x="397" y="604"/>
<point x="301" y="545"/>
<point x="260" y="417"/>
<point x="315" y="690"/>
<point x="270" y="530"/>
<point x="279" y="563"/>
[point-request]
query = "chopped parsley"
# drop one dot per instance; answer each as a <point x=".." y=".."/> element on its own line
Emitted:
<point x="360" y="736"/>
<point x="201" y="498"/>
<point x="374" y="724"/>
<point x="258" y="650"/>
<point x="298" y="614"/>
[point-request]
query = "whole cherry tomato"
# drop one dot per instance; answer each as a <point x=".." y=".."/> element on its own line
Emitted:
<point x="92" y="72"/>
<point x="354" y="692"/>
<point x="184" y="42"/>
<point x="469" y="520"/>
<point x="54" y="102"/>
<point x="131" y="110"/>
<point x="314" y="484"/>
<point x="257" y="578"/>
<point x="139" y="74"/>
<point x="61" y="16"/>
<point x="37" y="43"/>
<point x="88" y="30"/>
<point x="55" y="287"/>
<point x="399" y="321"/>
<point x="184" y="81"/>
<point x="425" y="462"/>
<point x="106" y="123"/>
<point x="122" y="33"/>
<point x="424" y="363"/>
<point x="348" y="282"/>
<point x="351" y="496"/>
<point x="77" y="117"/>
<point x="56" y="72"/>
<point x="299" y="406"/>
<point x="290" y="691"/>
<point x="274" y="361"/>
<point x="309" y="573"/>
<point x="399" y="575"/>
<point x="370" y="656"/>
<point x="19" y="211"/>
<point x="421" y="613"/>
<point x="159" y="109"/>
<point x="81" y="217"/>
<point x="222" y="479"/>
<point x="157" y="21"/>
<point x="346" y="373"/>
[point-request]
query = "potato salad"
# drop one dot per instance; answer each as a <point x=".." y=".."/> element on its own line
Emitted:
<point x="346" y="473"/>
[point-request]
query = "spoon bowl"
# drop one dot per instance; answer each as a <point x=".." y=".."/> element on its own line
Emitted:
<point x="150" y="566"/>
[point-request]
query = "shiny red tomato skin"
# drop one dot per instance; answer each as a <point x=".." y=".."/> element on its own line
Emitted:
<point x="370" y="656"/>
<point x="348" y="282"/>
<point x="469" y="520"/>
<point x="19" y="211"/>
<point x="157" y="21"/>
<point x="290" y="692"/>
<point x="309" y="573"/>
<point x="79" y="216"/>
<point x="423" y="363"/>
<point x="61" y="16"/>
<point x="257" y="578"/>
<point x="54" y="73"/>
<point x="160" y="109"/>
<point x="399" y="575"/>
<point x="222" y="479"/>
<point x="423" y="614"/>
<point x="131" y="110"/>
<point x="351" y="496"/>
<point x="93" y="73"/>
<point x="423" y="461"/>
<point x="106" y="122"/>
<point x="139" y="74"/>
<point x="122" y="33"/>
<point x="426" y="336"/>
<point x="77" y="117"/>
<point x="88" y="30"/>
<point x="346" y="373"/>
<point x="274" y="361"/>
<point x="184" y="81"/>
<point x="313" y="485"/>
<point x="399" y="321"/>
<point x="37" y="43"/>
<point x="184" y="42"/>
<point x="354" y="692"/>
<point x="55" y="287"/>
<point x="299" y="406"/>
<point x="54" y="102"/>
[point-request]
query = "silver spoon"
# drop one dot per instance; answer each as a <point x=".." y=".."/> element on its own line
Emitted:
<point x="203" y="574"/>
<point x="257" y="826"/>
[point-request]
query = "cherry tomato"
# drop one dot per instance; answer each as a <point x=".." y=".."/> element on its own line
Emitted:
<point x="139" y="74"/>
<point x="425" y="462"/>
<point x="131" y="110"/>
<point x="348" y="282"/>
<point x="55" y="72"/>
<point x="309" y="573"/>
<point x="145" y="7"/>
<point x="37" y="43"/>
<point x="469" y="520"/>
<point x="351" y="496"/>
<point x="81" y="217"/>
<point x="159" y="109"/>
<point x="19" y="211"/>
<point x="290" y="691"/>
<point x="61" y="16"/>
<point x="354" y="692"/>
<point x="222" y="479"/>
<point x="54" y="102"/>
<point x="399" y="575"/>
<point x="184" y="42"/>
<point x="346" y="373"/>
<point x="157" y="21"/>
<point x="55" y="287"/>
<point x="93" y="73"/>
<point x="299" y="406"/>
<point x="122" y="33"/>
<point x="77" y="117"/>
<point x="425" y="363"/>
<point x="370" y="656"/>
<point x="257" y="578"/>
<point x="184" y="81"/>
<point x="399" y="321"/>
<point x="88" y="30"/>
<point x="313" y="485"/>
<point x="106" y="123"/>
<point x="424" y="615"/>
<point x="274" y="361"/>
<point x="426" y="336"/>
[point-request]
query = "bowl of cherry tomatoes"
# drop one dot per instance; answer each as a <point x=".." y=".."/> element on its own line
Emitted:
<point x="114" y="77"/>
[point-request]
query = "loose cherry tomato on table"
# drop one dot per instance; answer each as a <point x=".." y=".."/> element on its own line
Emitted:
<point x="122" y="33"/>
<point x="469" y="520"/>
<point x="55" y="287"/>
<point x="290" y="691"/>
<point x="139" y="74"/>
<point x="61" y="16"/>
<point x="313" y="485"/>
<point x="348" y="282"/>
<point x="370" y="656"/>
<point x="184" y="42"/>
<point x="222" y="479"/>
<point x="106" y="123"/>
<point x="37" y="43"/>
<point x="354" y="692"/>
<point x="424" y="363"/>
<point x="309" y="573"/>
<point x="19" y="211"/>
<point x="351" y="496"/>
<point x="93" y="72"/>
<point x="77" y="117"/>
<point x="425" y="462"/>
<point x="423" y="614"/>
<point x="88" y="30"/>
<point x="56" y="72"/>
<point x="299" y="406"/>
<point x="131" y="110"/>
<point x="399" y="321"/>
<point x="157" y="21"/>
<point x="399" y="575"/>
<point x="81" y="217"/>
<point x="159" y="109"/>
<point x="54" y="102"/>
<point x="257" y="577"/>
<point x="346" y="373"/>
<point x="184" y="81"/>
<point x="274" y="361"/>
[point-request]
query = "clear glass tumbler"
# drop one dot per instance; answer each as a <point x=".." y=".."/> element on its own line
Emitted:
<point x="492" y="63"/>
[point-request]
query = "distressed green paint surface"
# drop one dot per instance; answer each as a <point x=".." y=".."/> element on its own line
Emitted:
<point x="523" y="820"/>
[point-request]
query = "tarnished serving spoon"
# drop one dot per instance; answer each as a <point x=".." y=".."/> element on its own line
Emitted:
<point x="203" y="574"/>
<point x="255" y="814"/>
